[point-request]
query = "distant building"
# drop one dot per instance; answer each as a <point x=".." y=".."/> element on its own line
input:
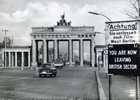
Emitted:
<point x="62" y="32"/>
<point x="46" y="47"/>
<point x="15" y="57"/>
<point x="101" y="57"/>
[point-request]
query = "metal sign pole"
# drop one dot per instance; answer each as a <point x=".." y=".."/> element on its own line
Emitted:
<point x="137" y="81"/>
<point x="137" y="87"/>
<point x="110" y="83"/>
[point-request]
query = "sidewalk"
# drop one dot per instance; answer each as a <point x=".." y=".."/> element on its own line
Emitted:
<point x="122" y="88"/>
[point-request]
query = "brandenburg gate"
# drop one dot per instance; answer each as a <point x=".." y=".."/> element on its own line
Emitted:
<point x="45" y="37"/>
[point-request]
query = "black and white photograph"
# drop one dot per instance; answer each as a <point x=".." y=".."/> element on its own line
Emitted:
<point x="69" y="49"/>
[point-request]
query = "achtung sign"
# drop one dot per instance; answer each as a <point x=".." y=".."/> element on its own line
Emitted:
<point x="123" y="39"/>
<point x="123" y="32"/>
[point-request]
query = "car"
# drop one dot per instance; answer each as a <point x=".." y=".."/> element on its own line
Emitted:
<point x="59" y="63"/>
<point x="47" y="70"/>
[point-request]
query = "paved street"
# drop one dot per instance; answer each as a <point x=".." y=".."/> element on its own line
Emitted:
<point x="70" y="84"/>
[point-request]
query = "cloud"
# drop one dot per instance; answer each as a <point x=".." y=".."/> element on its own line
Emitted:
<point x="47" y="13"/>
<point x="87" y="7"/>
<point x="37" y="12"/>
<point x="5" y="16"/>
<point x="34" y="14"/>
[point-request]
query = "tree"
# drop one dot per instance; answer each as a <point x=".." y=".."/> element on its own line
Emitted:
<point x="134" y="10"/>
<point x="8" y="42"/>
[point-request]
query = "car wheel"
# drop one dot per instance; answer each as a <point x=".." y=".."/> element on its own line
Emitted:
<point x="51" y="75"/>
<point x="54" y="75"/>
<point x="46" y="76"/>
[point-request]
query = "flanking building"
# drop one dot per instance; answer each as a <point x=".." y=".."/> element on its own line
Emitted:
<point x="15" y="57"/>
<point x="101" y="57"/>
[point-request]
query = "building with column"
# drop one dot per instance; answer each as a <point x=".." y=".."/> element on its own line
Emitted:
<point x="100" y="57"/>
<point x="49" y="43"/>
<point x="16" y="57"/>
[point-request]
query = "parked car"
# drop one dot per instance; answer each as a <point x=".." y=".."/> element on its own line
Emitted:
<point x="47" y="70"/>
<point x="59" y="63"/>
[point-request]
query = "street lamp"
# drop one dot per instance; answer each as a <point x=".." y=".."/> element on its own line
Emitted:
<point x="100" y="14"/>
<point x="94" y="13"/>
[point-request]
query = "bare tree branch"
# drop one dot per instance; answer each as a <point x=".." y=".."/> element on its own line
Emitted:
<point x="131" y="16"/>
<point x="135" y="7"/>
<point x="133" y="12"/>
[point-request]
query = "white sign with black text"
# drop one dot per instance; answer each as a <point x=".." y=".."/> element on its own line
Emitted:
<point x="123" y="32"/>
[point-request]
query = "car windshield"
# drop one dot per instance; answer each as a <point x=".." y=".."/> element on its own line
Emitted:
<point x="58" y="60"/>
<point x="46" y="65"/>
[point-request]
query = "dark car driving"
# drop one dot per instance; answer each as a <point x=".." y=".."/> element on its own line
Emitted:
<point x="59" y="63"/>
<point x="47" y="70"/>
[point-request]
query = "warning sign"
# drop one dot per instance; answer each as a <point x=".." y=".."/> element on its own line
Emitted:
<point x="123" y="32"/>
<point x="124" y="59"/>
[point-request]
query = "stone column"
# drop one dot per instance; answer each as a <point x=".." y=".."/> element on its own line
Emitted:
<point x="12" y="64"/>
<point x="92" y="52"/>
<point x="15" y="59"/>
<point x="45" y="51"/>
<point x="9" y="55"/>
<point x="22" y="60"/>
<point x="106" y="61"/>
<point x="34" y="63"/>
<point x="29" y="60"/>
<point x="70" y="52"/>
<point x="5" y="58"/>
<point x="81" y="52"/>
<point x="56" y="49"/>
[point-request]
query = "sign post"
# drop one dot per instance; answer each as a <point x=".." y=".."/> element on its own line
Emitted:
<point x="123" y="40"/>
<point x="110" y="84"/>
<point x="123" y="59"/>
<point x="137" y="88"/>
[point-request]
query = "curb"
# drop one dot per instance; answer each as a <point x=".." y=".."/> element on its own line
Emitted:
<point x="101" y="93"/>
<point x="15" y="70"/>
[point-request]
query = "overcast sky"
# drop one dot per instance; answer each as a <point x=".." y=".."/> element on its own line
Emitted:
<point x="18" y="16"/>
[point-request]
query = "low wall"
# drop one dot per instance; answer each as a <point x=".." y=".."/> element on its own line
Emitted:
<point x="101" y="93"/>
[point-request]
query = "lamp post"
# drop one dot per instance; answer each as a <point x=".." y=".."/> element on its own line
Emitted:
<point x="100" y="14"/>
<point x="110" y="75"/>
